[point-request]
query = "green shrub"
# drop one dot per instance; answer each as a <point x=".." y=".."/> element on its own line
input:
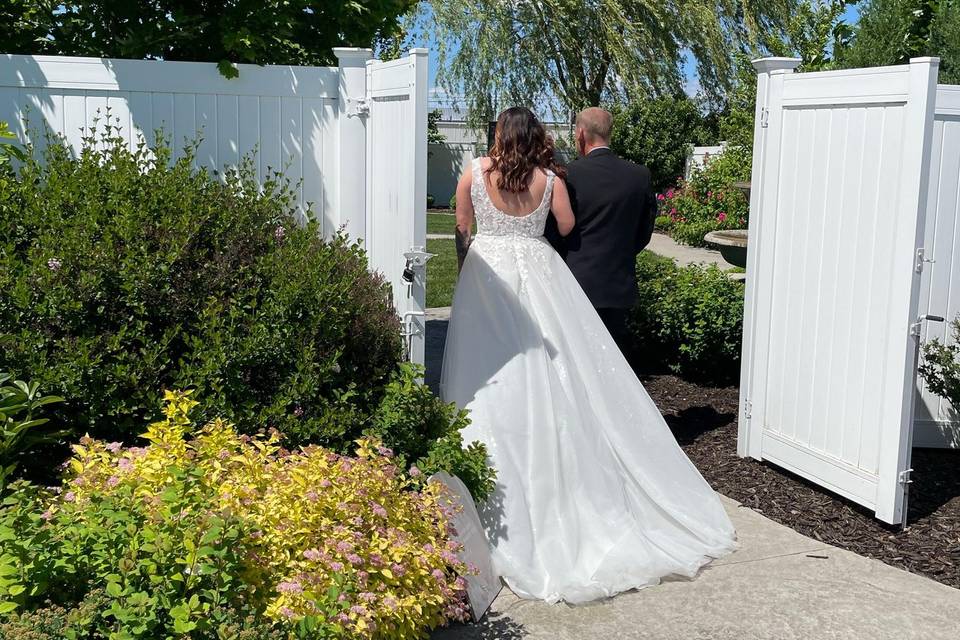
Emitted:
<point x="20" y="420"/>
<point x="425" y="430"/>
<point x="658" y="133"/>
<point x="688" y="318"/>
<point x="430" y="200"/>
<point x="663" y="224"/>
<point x="692" y="233"/>
<point x="125" y="272"/>
<point x="219" y="533"/>
<point x="453" y="202"/>
<point x="941" y="367"/>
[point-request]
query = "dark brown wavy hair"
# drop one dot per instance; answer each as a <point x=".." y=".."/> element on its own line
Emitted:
<point x="521" y="145"/>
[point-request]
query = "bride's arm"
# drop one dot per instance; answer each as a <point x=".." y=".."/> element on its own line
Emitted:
<point x="464" y="217"/>
<point x="560" y="206"/>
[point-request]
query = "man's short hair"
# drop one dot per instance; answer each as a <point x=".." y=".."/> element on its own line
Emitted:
<point x="596" y="124"/>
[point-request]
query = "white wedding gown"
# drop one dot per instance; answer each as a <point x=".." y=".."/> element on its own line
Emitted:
<point x="594" y="496"/>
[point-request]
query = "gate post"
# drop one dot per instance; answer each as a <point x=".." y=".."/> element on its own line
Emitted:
<point x="765" y="67"/>
<point x="351" y="196"/>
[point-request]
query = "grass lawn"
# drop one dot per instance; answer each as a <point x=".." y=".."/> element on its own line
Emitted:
<point x="443" y="223"/>
<point x="441" y="272"/>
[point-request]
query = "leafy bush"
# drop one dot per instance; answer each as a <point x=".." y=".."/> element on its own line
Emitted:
<point x="708" y="200"/>
<point x="422" y="428"/>
<point x="689" y="318"/>
<point x="125" y="271"/>
<point x="430" y="200"/>
<point x="223" y="532"/>
<point x="453" y="201"/>
<point x="663" y="224"/>
<point x="20" y="421"/>
<point x="658" y="133"/>
<point x="941" y="367"/>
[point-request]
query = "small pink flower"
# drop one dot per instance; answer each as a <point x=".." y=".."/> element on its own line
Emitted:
<point x="311" y="496"/>
<point x="325" y="483"/>
<point x="385" y="452"/>
<point x="358" y="609"/>
<point x="344" y="547"/>
<point x="438" y="575"/>
<point x="354" y="559"/>
<point x="54" y="264"/>
<point x="113" y="481"/>
<point x="298" y="411"/>
<point x="415" y="472"/>
<point x="279" y="233"/>
<point x="721" y="217"/>
<point x="223" y="454"/>
<point x="336" y="566"/>
<point x="398" y="569"/>
<point x="114" y="447"/>
<point x="343" y="618"/>
<point x="69" y="496"/>
<point x="366" y="596"/>
<point x="428" y="548"/>
<point x="124" y="464"/>
<point x="312" y="554"/>
<point x="661" y="197"/>
<point x="47" y="515"/>
<point x="378" y="510"/>
<point x="290" y="587"/>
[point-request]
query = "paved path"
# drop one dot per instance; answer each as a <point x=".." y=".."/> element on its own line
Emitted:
<point x="683" y="255"/>
<point x="779" y="585"/>
<point x="661" y="245"/>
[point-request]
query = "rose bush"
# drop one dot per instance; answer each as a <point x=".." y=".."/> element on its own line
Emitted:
<point x="227" y="535"/>
<point x="708" y="200"/>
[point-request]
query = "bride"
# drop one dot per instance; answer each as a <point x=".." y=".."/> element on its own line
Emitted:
<point x="594" y="496"/>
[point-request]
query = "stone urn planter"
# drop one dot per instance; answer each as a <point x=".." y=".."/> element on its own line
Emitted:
<point x="732" y="243"/>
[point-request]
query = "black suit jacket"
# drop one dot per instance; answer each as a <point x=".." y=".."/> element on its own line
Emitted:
<point x="615" y="208"/>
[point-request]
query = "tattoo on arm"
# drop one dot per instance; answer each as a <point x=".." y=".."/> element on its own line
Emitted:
<point x="462" y="239"/>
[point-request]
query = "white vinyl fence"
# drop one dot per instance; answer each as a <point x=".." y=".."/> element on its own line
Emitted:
<point x="352" y="137"/>
<point x="855" y="184"/>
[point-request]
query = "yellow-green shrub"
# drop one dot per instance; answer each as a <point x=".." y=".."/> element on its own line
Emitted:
<point x="188" y="535"/>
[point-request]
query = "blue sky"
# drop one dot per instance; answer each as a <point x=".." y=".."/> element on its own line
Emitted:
<point x="422" y="38"/>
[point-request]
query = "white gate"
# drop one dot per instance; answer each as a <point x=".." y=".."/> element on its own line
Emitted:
<point x="366" y="177"/>
<point x="397" y="185"/>
<point x="837" y="211"/>
<point x="936" y="423"/>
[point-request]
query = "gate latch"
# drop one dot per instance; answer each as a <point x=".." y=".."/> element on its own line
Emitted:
<point x="916" y="326"/>
<point x="904" y="477"/>
<point x="918" y="266"/>
<point x="417" y="258"/>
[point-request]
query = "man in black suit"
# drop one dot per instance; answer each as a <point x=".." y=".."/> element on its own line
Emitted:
<point x="615" y="209"/>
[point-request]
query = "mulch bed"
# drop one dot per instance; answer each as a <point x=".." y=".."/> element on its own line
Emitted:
<point x="704" y="421"/>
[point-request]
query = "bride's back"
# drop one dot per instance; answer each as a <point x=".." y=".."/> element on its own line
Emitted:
<point x="520" y="203"/>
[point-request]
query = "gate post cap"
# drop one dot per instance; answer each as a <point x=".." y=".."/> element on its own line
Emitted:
<point x="768" y="65"/>
<point x="352" y="56"/>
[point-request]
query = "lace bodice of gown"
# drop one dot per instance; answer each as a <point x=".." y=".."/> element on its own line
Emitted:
<point x="491" y="221"/>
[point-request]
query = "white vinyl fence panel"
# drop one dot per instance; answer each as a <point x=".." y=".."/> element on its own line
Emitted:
<point x="937" y="424"/>
<point x="837" y="213"/>
<point x="310" y="123"/>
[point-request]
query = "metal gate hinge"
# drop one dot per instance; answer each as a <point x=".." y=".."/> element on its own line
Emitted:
<point x="904" y="477"/>
<point x="918" y="266"/>
<point x="764" y="117"/>
<point x="361" y="108"/>
<point x="747" y="409"/>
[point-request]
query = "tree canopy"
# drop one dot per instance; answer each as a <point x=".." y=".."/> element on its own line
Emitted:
<point x="581" y="52"/>
<point x="893" y="31"/>
<point x="300" y="32"/>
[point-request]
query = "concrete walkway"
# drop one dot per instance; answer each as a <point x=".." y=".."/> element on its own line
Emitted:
<point x="683" y="255"/>
<point x="662" y="245"/>
<point x="779" y="585"/>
